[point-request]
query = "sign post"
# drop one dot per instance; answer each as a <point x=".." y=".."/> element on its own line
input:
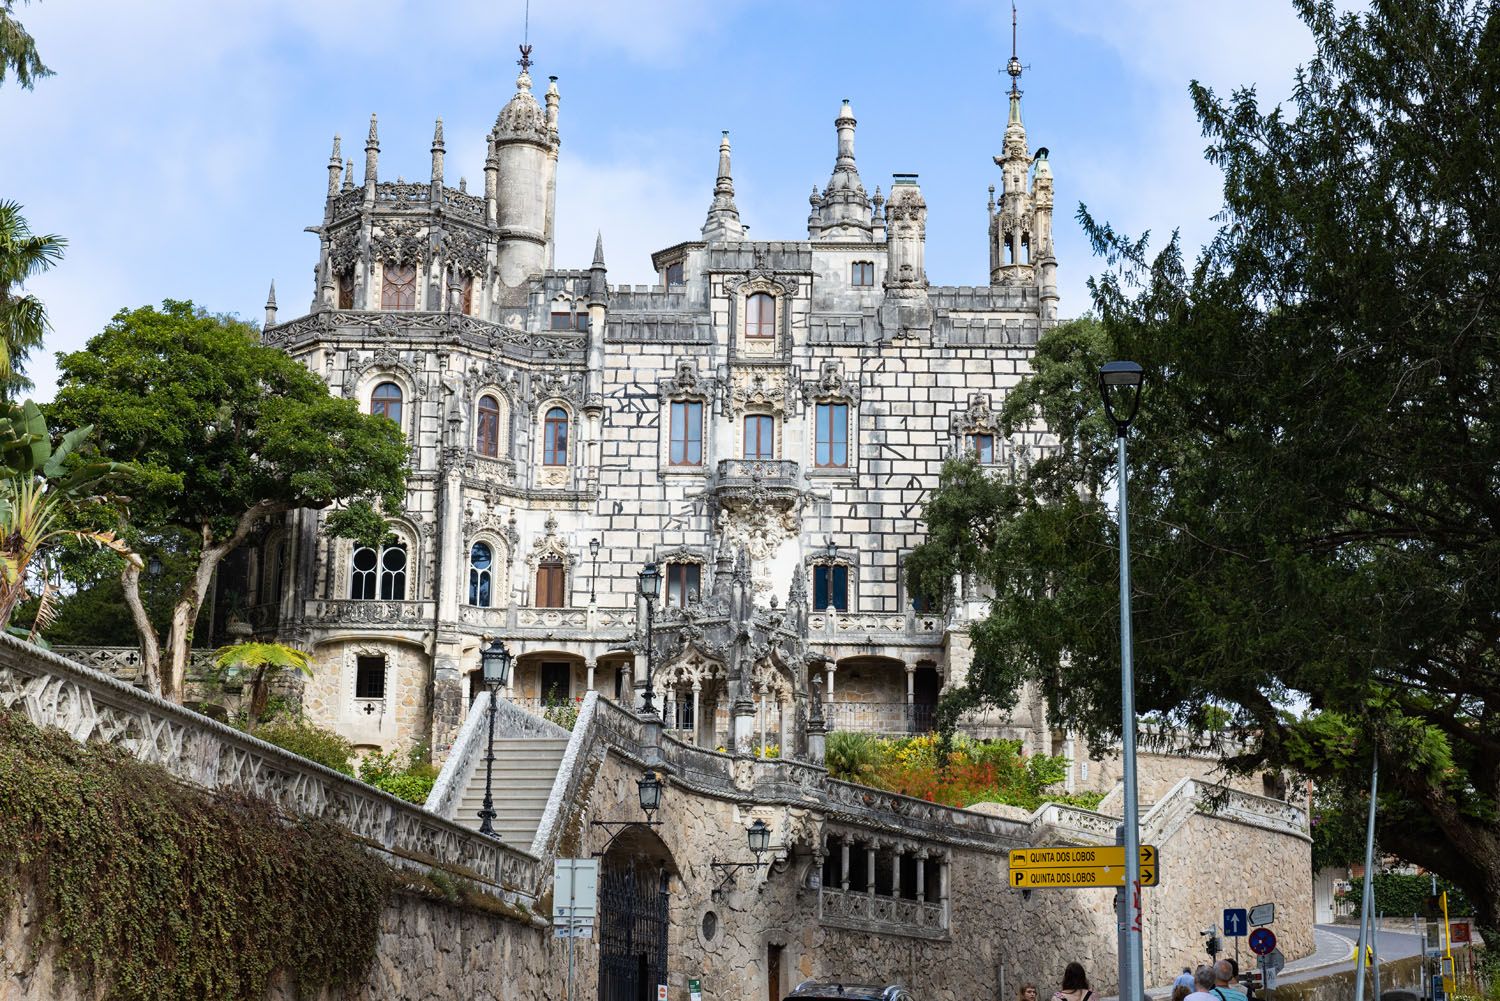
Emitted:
<point x="575" y="903"/>
<point x="1098" y="866"/>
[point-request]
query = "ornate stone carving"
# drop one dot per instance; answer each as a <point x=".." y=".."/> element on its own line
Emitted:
<point x="976" y="418"/>
<point x="384" y="359"/>
<point x="831" y="385"/>
<point x="755" y="388"/>
<point x="397" y="242"/>
<point x="686" y="382"/>
<point x="464" y="252"/>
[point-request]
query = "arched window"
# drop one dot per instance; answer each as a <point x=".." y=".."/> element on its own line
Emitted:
<point x="386" y="401"/>
<point x="381" y="574"/>
<point x="398" y="290"/>
<point x="487" y="427"/>
<point x="346" y="290"/>
<point x="760" y="315"/>
<point x="760" y="437"/>
<point x="481" y="568"/>
<point x="555" y="438"/>
<point x="467" y="302"/>
<point x="551" y="584"/>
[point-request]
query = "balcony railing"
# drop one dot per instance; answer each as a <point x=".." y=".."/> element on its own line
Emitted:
<point x="758" y="481"/>
<point x="878" y="717"/>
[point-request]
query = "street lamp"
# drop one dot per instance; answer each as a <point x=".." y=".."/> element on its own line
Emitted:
<point x="759" y="837"/>
<point x="648" y="583"/>
<point x="594" y="573"/>
<point x="648" y="788"/>
<point x="1120" y="386"/>
<point x="494" y="662"/>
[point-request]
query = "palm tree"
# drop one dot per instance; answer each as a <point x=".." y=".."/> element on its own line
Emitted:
<point x="23" y="317"/>
<point x="18" y="49"/>
<point x="267" y="660"/>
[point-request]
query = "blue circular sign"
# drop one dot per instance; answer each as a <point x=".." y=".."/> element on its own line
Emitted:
<point x="1262" y="941"/>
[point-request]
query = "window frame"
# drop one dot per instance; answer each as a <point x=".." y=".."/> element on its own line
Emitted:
<point x="689" y="446"/>
<point x="380" y="581"/>
<point x="862" y="269"/>
<point x="757" y="326"/>
<point x="481" y="578"/>
<point x="487" y="417"/>
<point x="554" y="572"/>
<point x="554" y="441"/>
<point x="345" y="285"/>
<point x="770" y="423"/>
<point x="689" y="585"/>
<point x="984" y="453"/>
<point x="370" y="661"/>
<point x="395" y="294"/>
<point x="831" y="587"/>
<point x="382" y="406"/>
<point x="831" y="416"/>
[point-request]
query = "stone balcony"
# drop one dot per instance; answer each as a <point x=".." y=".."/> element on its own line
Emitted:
<point x="756" y="482"/>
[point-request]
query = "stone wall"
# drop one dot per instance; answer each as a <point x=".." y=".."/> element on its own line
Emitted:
<point x="393" y="723"/>
<point x="428" y="950"/>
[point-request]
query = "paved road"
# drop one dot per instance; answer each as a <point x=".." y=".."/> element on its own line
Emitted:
<point x="1335" y="951"/>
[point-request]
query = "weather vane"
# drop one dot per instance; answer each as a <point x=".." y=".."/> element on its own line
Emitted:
<point x="525" y="60"/>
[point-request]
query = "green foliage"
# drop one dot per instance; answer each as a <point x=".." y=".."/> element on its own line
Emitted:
<point x="1401" y="895"/>
<point x="853" y="756"/>
<point x="18" y="53"/>
<point x="23" y="255"/>
<point x="263" y="662"/>
<point x="411" y="781"/>
<point x="561" y="710"/>
<point x="1313" y="469"/>
<point x="315" y="743"/>
<point x="150" y="889"/>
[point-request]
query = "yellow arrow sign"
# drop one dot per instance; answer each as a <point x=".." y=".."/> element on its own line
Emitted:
<point x="1077" y="877"/>
<point x="1095" y="856"/>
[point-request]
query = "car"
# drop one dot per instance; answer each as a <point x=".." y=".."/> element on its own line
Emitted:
<point x="835" y="988"/>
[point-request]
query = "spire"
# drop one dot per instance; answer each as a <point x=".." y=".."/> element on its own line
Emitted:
<point x="271" y="305"/>
<point x="372" y="153"/>
<point x="335" y="167"/>
<point x="1014" y="69"/>
<point x="723" y="223"/>
<point x="437" y="152"/>
<point x="598" y="289"/>
<point x="843" y="210"/>
<point x="598" y="249"/>
<point x="348" y="184"/>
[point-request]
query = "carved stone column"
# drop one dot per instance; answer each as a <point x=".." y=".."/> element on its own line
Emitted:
<point x="921" y="875"/>
<point x="844" y="862"/>
<point x="744" y="726"/>
<point x="911" y="683"/>
<point x="591" y="665"/>
<point x="870" y="867"/>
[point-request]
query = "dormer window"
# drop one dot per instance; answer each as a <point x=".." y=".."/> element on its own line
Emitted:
<point x="674" y="275"/>
<point x="760" y="315"/>
<point x="398" y="289"/>
<point x="862" y="274"/>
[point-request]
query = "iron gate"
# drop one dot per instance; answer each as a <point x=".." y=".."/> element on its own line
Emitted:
<point x="632" y="932"/>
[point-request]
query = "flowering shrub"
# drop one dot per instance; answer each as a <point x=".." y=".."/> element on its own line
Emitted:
<point x="562" y="711"/>
<point x="769" y="751"/>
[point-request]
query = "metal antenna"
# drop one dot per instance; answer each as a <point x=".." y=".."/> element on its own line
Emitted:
<point x="525" y="60"/>
<point x="1014" y="66"/>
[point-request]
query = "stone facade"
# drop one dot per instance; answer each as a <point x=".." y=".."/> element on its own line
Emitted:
<point x="776" y="410"/>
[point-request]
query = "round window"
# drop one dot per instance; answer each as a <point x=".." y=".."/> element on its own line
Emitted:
<point x="710" y="925"/>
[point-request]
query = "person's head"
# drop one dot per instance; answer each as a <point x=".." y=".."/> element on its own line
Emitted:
<point x="1181" y="990"/>
<point x="1234" y="967"/>
<point x="1028" y="992"/>
<point x="1203" y="978"/>
<point x="1074" y="979"/>
<point x="1224" y="971"/>
<point x="1188" y="970"/>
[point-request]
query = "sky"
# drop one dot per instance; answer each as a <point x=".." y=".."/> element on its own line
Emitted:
<point x="182" y="146"/>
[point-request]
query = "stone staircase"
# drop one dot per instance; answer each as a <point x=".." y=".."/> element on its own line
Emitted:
<point x="525" y="769"/>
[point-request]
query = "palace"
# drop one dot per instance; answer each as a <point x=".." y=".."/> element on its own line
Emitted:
<point x="763" y="425"/>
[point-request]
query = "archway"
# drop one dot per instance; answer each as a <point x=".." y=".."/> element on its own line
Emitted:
<point x="635" y="877"/>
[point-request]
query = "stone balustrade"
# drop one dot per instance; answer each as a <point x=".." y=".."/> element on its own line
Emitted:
<point x="91" y="705"/>
<point x="124" y="662"/>
<point x="387" y="614"/>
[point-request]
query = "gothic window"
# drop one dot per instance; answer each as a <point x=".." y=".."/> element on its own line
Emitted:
<point x="346" y="290"/>
<point x="386" y="401"/>
<point x="274" y="578"/>
<point x="687" y="433"/>
<point x="833" y="435"/>
<point x="398" y="290"/>
<point x="1010" y="248"/>
<point x="487" y="427"/>
<point x="468" y="295"/>
<point x="682" y="583"/>
<point x="760" y="315"/>
<point x="562" y="321"/>
<point x="674" y="275"/>
<point x="381" y="573"/>
<point x="982" y="446"/>
<point x="481" y="575"/>
<point x="551" y="580"/>
<point x="555" y="438"/>
<point x="760" y="437"/>
<point x="831" y="587"/>
<point x="862" y="274"/>
<point x="1026" y="246"/>
<point x="369" y="677"/>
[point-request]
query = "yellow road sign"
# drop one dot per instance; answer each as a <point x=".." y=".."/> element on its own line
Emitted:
<point x="1077" y="877"/>
<point x="1095" y="856"/>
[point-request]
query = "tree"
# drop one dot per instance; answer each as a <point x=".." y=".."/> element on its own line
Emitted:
<point x="18" y="49"/>
<point x="266" y="660"/>
<point x="1315" y="474"/>
<point x="23" y="317"/>
<point x="222" y="433"/>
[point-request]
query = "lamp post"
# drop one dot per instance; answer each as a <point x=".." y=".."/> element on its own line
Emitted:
<point x="648" y="583"/>
<point x="494" y="662"/>
<point x="593" y="573"/>
<point x="759" y="837"/>
<point x="1120" y="385"/>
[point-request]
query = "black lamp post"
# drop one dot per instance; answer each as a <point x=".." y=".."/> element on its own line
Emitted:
<point x="494" y="663"/>
<point x="759" y="837"/>
<point x="1120" y="385"/>
<point x="648" y="583"/>
<point x="594" y="573"/>
<point x="648" y="788"/>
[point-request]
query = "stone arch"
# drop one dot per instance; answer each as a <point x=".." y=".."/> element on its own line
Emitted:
<point x="636" y="874"/>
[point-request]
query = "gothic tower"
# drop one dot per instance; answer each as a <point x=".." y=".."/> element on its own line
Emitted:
<point x="521" y="179"/>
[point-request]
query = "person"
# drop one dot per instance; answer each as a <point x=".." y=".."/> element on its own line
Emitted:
<point x="1028" y="993"/>
<point x="1075" y="985"/>
<point x="1224" y="986"/>
<point x="1203" y="985"/>
<point x="1185" y="979"/>
<point x="1181" y="991"/>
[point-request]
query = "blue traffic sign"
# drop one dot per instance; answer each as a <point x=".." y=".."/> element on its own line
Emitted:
<point x="1236" y="923"/>
<point x="1262" y="941"/>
